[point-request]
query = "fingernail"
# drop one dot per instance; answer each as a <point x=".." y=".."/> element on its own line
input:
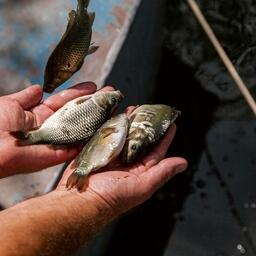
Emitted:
<point x="181" y="168"/>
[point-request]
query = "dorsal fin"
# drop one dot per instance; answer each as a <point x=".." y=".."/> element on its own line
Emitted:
<point x="71" y="22"/>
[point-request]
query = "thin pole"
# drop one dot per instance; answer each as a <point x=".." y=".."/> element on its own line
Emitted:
<point x="229" y="65"/>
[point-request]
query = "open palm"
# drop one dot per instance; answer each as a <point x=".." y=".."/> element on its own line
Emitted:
<point x="120" y="187"/>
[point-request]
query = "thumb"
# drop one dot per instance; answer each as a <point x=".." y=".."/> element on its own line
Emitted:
<point x="28" y="97"/>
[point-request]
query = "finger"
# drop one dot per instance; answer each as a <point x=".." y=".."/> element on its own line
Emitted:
<point x="29" y="97"/>
<point x="30" y="121"/>
<point x="159" y="151"/>
<point x="129" y="110"/>
<point x="107" y="88"/>
<point x="43" y="156"/>
<point x="159" y="174"/>
<point x="58" y="100"/>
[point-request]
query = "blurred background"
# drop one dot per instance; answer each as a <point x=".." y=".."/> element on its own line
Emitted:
<point x="155" y="52"/>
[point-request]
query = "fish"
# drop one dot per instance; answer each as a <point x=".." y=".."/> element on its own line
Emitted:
<point x="106" y="144"/>
<point x="76" y="121"/>
<point x="68" y="56"/>
<point x="148" y="123"/>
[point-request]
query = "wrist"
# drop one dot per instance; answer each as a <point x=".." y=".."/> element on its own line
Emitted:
<point x="85" y="216"/>
<point x="87" y="203"/>
<point x="57" y="223"/>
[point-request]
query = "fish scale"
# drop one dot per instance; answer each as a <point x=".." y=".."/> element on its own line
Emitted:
<point x="76" y="46"/>
<point x="148" y="123"/>
<point x="76" y="121"/>
<point x="68" y="56"/>
<point x="102" y="148"/>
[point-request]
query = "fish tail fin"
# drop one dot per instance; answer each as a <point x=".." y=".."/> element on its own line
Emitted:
<point x="83" y="4"/>
<point x="77" y="179"/>
<point x="20" y="135"/>
<point x="26" y="138"/>
<point x="23" y="138"/>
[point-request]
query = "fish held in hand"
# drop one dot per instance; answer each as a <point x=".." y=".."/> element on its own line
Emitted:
<point x="68" y="56"/>
<point x="103" y="147"/>
<point x="76" y="121"/>
<point x="148" y="124"/>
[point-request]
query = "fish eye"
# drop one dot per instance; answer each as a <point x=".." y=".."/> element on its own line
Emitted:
<point x="113" y="99"/>
<point x="133" y="147"/>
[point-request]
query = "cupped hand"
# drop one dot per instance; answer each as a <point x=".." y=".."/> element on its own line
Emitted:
<point x="26" y="110"/>
<point x="117" y="188"/>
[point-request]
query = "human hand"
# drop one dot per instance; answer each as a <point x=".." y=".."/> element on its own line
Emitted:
<point x="24" y="111"/>
<point x="71" y="218"/>
<point x="117" y="188"/>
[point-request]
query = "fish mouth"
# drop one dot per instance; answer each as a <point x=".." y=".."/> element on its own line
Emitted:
<point x="127" y="161"/>
<point x="126" y="157"/>
<point x="119" y="98"/>
<point x="120" y="95"/>
<point x="48" y="88"/>
<point x="175" y="115"/>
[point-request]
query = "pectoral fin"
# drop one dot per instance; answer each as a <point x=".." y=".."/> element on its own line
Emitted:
<point x="92" y="50"/>
<point x="108" y="131"/>
<point x="71" y="22"/>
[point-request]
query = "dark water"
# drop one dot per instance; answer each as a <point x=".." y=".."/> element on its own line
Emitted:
<point x="148" y="227"/>
<point x="193" y="79"/>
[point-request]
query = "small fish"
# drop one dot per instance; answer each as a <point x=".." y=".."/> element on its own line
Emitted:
<point x="103" y="147"/>
<point x="76" y="121"/>
<point x="68" y="56"/>
<point x="148" y="124"/>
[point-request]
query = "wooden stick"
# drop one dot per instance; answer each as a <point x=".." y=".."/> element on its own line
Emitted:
<point x="229" y="65"/>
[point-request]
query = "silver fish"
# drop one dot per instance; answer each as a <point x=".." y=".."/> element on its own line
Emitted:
<point x="104" y="146"/>
<point x="76" y="121"/>
<point x="148" y="124"/>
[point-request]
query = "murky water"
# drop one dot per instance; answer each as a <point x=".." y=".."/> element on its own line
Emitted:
<point x="208" y="210"/>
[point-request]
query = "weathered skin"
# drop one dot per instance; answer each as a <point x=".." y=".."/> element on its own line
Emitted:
<point x="104" y="146"/>
<point x="148" y="124"/>
<point x="68" y="56"/>
<point x="76" y="121"/>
